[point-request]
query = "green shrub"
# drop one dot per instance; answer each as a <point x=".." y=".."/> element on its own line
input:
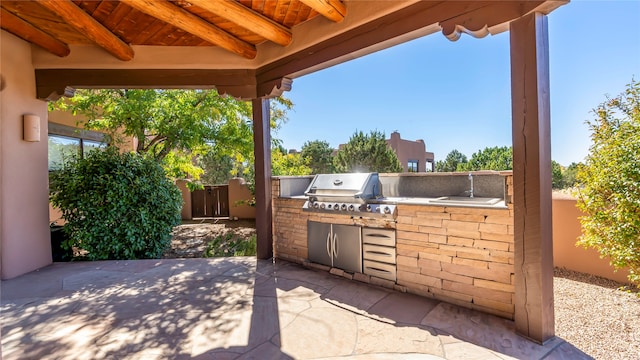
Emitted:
<point x="610" y="193"/>
<point x="231" y="245"/>
<point x="117" y="206"/>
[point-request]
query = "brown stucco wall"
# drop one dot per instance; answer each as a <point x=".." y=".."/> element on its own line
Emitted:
<point x="24" y="214"/>
<point x="566" y="230"/>
<point x="410" y="150"/>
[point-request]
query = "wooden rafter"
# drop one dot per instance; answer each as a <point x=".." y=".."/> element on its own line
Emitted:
<point x="333" y="10"/>
<point x="23" y="29"/>
<point x="89" y="27"/>
<point x="247" y="19"/>
<point x="182" y="19"/>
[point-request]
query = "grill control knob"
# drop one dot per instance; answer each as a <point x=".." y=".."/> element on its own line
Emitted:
<point x="368" y="208"/>
<point x="351" y="208"/>
<point x="322" y="206"/>
<point x="387" y="210"/>
<point x="336" y="207"/>
<point x="343" y="207"/>
<point x="316" y="205"/>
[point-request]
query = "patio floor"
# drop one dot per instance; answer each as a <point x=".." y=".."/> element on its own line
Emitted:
<point x="240" y="308"/>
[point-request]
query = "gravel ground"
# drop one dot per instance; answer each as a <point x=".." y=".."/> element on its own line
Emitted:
<point x="591" y="313"/>
<point x="597" y="317"/>
<point x="190" y="239"/>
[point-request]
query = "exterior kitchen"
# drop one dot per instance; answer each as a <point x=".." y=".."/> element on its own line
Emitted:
<point x="448" y="236"/>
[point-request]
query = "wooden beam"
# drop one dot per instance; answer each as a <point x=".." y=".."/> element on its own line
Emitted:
<point x="89" y="27"/>
<point x="480" y="22"/>
<point x="248" y="19"/>
<point x="26" y="31"/>
<point x="52" y="83"/>
<point x="262" y="155"/>
<point x="333" y="10"/>
<point x="180" y="18"/>
<point x="413" y="18"/>
<point x="533" y="243"/>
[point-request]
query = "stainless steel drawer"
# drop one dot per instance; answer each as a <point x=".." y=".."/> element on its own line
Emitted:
<point x="381" y="270"/>
<point x="379" y="253"/>
<point x="385" y="237"/>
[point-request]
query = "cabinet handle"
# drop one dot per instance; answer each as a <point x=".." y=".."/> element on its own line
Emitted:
<point x="335" y="245"/>
<point x="329" y="244"/>
<point x="378" y="253"/>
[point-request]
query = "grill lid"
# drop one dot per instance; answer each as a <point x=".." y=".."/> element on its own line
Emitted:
<point x="351" y="187"/>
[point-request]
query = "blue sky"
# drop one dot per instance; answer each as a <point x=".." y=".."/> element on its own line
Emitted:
<point x="456" y="95"/>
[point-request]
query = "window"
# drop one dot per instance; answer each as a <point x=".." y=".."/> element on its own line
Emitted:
<point x="66" y="143"/>
<point x="412" y="166"/>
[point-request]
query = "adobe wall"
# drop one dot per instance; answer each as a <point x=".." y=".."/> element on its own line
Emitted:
<point x="24" y="214"/>
<point x="239" y="194"/>
<point x="566" y="231"/>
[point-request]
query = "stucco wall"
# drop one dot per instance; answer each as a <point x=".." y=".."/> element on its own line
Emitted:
<point x="24" y="212"/>
<point x="566" y="230"/>
<point x="238" y="193"/>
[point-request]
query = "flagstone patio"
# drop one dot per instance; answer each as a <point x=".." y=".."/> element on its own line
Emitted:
<point x="240" y="308"/>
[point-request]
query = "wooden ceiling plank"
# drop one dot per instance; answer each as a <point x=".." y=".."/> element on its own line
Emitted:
<point x="26" y="31"/>
<point x="333" y="10"/>
<point x="248" y="19"/>
<point x="303" y="14"/>
<point x="290" y="20"/>
<point x="88" y="6"/>
<point x="144" y="37"/>
<point x="89" y="27"/>
<point x="190" y="23"/>
<point x="282" y="7"/>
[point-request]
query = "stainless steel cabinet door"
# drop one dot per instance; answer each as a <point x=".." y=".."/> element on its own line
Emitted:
<point x="347" y="247"/>
<point x="319" y="241"/>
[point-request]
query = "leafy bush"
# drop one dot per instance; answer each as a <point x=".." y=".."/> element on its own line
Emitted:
<point x="230" y="245"/>
<point x="610" y="196"/>
<point x="117" y="206"/>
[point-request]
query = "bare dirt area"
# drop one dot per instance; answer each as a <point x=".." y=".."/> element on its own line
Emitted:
<point x="190" y="239"/>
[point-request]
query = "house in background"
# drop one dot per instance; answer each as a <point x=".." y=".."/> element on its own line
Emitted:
<point x="413" y="155"/>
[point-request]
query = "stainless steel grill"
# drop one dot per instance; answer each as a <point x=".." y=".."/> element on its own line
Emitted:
<point x="355" y="194"/>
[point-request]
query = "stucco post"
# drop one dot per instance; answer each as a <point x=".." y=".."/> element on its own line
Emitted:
<point x="533" y="233"/>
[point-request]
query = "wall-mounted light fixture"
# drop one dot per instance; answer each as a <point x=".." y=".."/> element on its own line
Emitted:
<point x="31" y="127"/>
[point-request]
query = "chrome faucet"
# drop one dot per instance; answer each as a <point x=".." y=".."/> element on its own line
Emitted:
<point x="471" y="191"/>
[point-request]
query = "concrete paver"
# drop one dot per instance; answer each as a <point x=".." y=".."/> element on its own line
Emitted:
<point x="240" y="308"/>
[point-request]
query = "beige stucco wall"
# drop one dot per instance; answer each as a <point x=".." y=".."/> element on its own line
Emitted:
<point x="187" y="209"/>
<point x="566" y="230"/>
<point x="238" y="191"/>
<point x="24" y="214"/>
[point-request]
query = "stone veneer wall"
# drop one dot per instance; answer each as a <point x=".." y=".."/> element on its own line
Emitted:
<point x="461" y="255"/>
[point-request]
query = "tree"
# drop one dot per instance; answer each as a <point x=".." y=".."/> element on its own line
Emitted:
<point x="557" y="180"/>
<point x="490" y="158"/>
<point x="610" y="193"/>
<point x="116" y="206"/>
<point x="367" y="153"/>
<point x="288" y="164"/>
<point x="318" y="153"/>
<point x="183" y="122"/>
<point x="451" y="162"/>
<point x="570" y="174"/>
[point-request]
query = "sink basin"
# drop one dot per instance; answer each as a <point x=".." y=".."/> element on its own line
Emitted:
<point x="463" y="200"/>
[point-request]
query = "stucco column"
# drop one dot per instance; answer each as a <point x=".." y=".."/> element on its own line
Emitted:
<point x="262" y="154"/>
<point x="534" y="313"/>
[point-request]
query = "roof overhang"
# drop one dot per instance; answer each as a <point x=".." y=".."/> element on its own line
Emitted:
<point x="317" y="44"/>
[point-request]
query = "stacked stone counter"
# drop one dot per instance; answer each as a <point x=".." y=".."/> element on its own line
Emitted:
<point x="461" y="255"/>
